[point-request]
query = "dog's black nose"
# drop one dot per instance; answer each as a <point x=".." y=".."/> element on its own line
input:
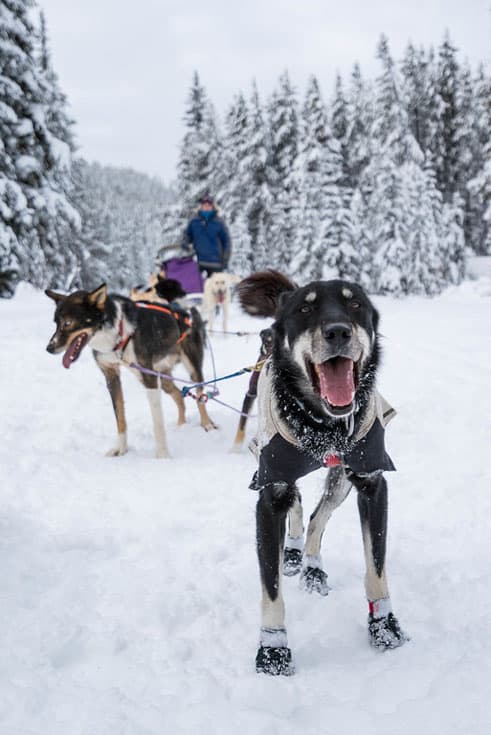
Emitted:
<point x="50" y="348"/>
<point x="338" y="334"/>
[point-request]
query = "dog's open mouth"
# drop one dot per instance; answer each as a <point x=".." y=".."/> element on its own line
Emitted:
<point x="74" y="349"/>
<point x="335" y="380"/>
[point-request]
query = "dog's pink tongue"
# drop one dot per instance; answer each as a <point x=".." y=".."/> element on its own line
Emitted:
<point x="67" y="357"/>
<point x="337" y="384"/>
<point x="73" y="352"/>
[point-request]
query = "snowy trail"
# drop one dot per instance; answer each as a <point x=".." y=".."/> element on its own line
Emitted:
<point x="129" y="602"/>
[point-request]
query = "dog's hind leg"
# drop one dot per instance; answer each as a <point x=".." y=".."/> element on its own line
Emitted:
<point x="113" y="382"/>
<point x="292" y="555"/>
<point x="169" y="387"/>
<point x="337" y="487"/>
<point x="275" y="500"/>
<point x="383" y="627"/>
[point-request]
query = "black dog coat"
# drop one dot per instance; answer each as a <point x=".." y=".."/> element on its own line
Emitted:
<point x="282" y="458"/>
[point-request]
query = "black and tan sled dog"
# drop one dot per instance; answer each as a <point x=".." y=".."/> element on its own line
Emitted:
<point x="120" y="332"/>
<point x="318" y="407"/>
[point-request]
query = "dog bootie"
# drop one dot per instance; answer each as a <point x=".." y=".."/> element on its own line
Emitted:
<point x="385" y="633"/>
<point x="314" y="579"/>
<point x="292" y="561"/>
<point x="274" y="661"/>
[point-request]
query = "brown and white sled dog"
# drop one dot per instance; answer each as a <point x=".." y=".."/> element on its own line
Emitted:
<point x="217" y="294"/>
<point x="318" y="407"/>
<point x="121" y="332"/>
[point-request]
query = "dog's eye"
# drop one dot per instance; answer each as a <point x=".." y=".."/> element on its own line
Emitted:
<point x="355" y="304"/>
<point x="306" y="309"/>
<point x="88" y="320"/>
<point x="67" y="323"/>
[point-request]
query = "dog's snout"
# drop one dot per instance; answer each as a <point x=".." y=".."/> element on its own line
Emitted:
<point x="338" y="334"/>
<point x="50" y="347"/>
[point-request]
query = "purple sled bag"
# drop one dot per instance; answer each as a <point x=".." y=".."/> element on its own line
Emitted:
<point x="186" y="271"/>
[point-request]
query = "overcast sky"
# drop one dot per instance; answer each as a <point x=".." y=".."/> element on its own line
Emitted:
<point x="126" y="66"/>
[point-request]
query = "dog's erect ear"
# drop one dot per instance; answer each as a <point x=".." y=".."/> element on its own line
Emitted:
<point x="98" y="297"/>
<point x="57" y="297"/>
<point x="260" y="293"/>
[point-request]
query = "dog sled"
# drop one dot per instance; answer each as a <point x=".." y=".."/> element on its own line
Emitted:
<point x="185" y="270"/>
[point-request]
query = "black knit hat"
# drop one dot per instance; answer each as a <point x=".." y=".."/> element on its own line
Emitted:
<point x="207" y="199"/>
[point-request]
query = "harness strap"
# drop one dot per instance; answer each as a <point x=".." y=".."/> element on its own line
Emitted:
<point x="181" y="317"/>
<point x="122" y="341"/>
<point x="178" y="315"/>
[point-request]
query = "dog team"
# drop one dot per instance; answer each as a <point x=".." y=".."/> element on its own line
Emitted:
<point x="318" y="407"/>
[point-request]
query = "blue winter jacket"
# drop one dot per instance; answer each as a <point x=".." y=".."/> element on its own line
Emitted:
<point x="210" y="240"/>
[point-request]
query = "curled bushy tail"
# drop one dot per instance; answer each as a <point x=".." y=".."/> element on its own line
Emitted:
<point x="259" y="293"/>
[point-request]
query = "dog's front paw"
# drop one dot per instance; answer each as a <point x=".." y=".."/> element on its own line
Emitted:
<point x="116" y="452"/>
<point x="120" y="448"/>
<point x="275" y="661"/>
<point x="314" y="579"/>
<point x="209" y="426"/>
<point x="385" y="633"/>
<point x="162" y="453"/>
<point x="292" y="561"/>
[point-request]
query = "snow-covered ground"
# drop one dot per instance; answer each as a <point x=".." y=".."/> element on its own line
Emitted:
<point x="129" y="596"/>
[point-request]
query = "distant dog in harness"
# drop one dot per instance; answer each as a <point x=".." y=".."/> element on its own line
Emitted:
<point x="120" y="332"/>
<point x="217" y="297"/>
<point x="318" y="407"/>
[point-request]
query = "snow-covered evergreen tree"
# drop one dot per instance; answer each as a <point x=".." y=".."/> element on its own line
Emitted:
<point x="445" y="145"/>
<point x="480" y="197"/>
<point x="257" y="200"/>
<point x="359" y="114"/>
<point x="453" y="242"/>
<point x="323" y="235"/>
<point x="36" y="219"/>
<point x="200" y="148"/>
<point x="235" y="150"/>
<point x="314" y="184"/>
<point x="283" y="122"/>
<point x="59" y="220"/>
<point x="475" y="140"/>
<point x="340" y="127"/>
<point x="418" y="91"/>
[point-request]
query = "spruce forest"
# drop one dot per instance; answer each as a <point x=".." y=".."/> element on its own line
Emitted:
<point x="386" y="181"/>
